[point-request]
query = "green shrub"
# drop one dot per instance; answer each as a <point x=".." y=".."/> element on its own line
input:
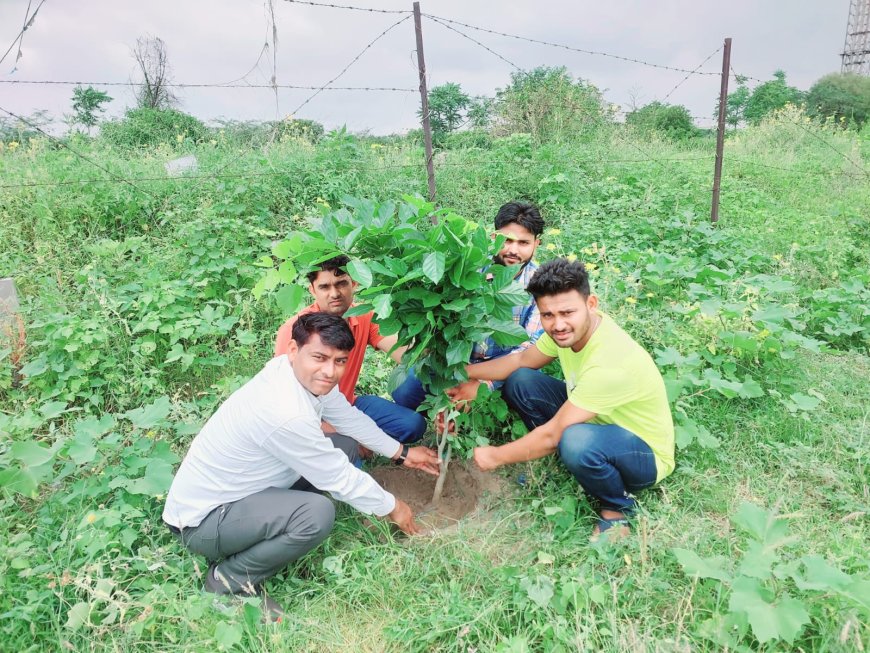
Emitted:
<point x="148" y="127"/>
<point x="845" y="97"/>
<point x="671" y="120"/>
<point x="465" y="140"/>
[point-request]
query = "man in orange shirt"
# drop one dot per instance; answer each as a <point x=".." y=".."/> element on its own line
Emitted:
<point x="333" y="290"/>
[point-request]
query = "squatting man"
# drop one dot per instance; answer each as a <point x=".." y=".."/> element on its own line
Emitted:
<point x="609" y="421"/>
<point x="247" y="494"/>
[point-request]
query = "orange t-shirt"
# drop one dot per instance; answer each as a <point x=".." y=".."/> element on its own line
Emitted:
<point x="365" y="332"/>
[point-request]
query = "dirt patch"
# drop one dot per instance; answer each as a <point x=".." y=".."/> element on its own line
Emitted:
<point x="464" y="489"/>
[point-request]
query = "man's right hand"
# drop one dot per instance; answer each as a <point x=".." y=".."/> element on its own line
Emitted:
<point x="403" y="517"/>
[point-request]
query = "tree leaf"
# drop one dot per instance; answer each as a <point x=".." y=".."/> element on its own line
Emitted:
<point x="433" y="266"/>
<point x="383" y="306"/>
<point x="289" y="298"/>
<point x="78" y="615"/>
<point x="770" y="620"/>
<point x="360" y="272"/>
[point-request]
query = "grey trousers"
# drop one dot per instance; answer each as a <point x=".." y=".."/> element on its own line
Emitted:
<point x="256" y="537"/>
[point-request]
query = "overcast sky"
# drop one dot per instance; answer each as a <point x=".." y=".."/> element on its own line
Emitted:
<point x="217" y="41"/>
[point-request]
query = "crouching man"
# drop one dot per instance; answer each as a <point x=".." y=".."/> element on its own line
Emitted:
<point x="609" y="420"/>
<point x="246" y="494"/>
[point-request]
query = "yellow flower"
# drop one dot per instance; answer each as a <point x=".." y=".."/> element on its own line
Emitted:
<point x="550" y="247"/>
<point x="159" y="497"/>
<point x="571" y="257"/>
<point x="631" y="300"/>
<point x="13" y="145"/>
<point x="553" y="232"/>
<point x="777" y="257"/>
<point x="616" y="270"/>
<point x="179" y="137"/>
<point x="590" y="266"/>
<point x="650" y="294"/>
<point x="91" y="518"/>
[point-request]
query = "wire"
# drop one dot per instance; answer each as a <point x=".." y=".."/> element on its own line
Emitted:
<point x="78" y="154"/>
<point x="352" y="62"/>
<point x="331" y="6"/>
<point x="568" y="47"/>
<point x="466" y="36"/>
<point x="822" y="173"/>
<point x="227" y="85"/>
<point x="680" y="83"/>
<point x="28" y="23"/>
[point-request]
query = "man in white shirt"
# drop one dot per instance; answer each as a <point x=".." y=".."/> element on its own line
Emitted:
<point x="241" y="495"/>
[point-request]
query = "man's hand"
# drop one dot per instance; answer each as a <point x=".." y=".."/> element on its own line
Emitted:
<point x="403" y="517"/>
<point x="466" y="391"/>
<point x="424" y="459"/>
<point x="486" y="458"/>
<point x="439" y="424"/>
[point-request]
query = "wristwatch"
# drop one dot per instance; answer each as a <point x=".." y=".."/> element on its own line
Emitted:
<point x="402" y="455"/>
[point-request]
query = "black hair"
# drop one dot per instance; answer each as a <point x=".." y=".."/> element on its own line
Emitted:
<point x="558" y="276"/>
<point x="332" y="329"/>
<point x="336" y="265"/>
<point x="522" y="213"/>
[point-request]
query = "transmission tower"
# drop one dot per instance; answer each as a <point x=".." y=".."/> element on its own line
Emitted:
<point x="856" y="51"/>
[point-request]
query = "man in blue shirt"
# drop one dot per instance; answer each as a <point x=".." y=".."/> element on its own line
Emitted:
<point x="522" y="226"/>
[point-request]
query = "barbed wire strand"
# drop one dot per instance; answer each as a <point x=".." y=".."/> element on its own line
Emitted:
<point x="77" y="153"/>
<point x="213" y="85"/>
<point x="28" y="23"/>
<point x="569" y="47"/>
<point x="680" y="83"/>
<point x="352" y="62"/>
<point x="333" y="6"/>
<point x="795" y="171"/>
<point x="473" y="40"/>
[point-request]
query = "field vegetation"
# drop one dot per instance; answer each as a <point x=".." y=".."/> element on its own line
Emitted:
<point x="140" y="318"/>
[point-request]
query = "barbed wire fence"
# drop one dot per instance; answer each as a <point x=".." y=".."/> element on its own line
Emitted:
<point x="454" y="26"/>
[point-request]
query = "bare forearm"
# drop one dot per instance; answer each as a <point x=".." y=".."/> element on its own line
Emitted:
<point x="536" y="444"/>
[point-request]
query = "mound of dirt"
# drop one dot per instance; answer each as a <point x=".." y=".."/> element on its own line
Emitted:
<point x="463" y="490"/>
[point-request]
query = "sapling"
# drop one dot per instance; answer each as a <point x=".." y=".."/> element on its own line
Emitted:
<point x="430" y="279"/>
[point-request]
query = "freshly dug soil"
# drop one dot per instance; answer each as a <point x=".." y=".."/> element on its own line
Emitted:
<point x="463" y="490"/>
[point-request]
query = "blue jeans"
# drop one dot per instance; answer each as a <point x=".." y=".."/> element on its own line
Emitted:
<point x="411" y="392"/>
<point x="608" y="461"/>
<point x="400" y="423"/>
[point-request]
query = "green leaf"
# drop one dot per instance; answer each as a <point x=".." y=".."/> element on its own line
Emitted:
<point x="764" y="526"/>
<point x="801" y="401"/>
<point x="757" y="561"/>
<point x="819" y="575"/>
<point x="82" y="450"/>
<point x="359" y="309"/>
<point x="78" y="616"/>
<point x="92" y="427"/>
<point x="154" y="414"/>
<point x="383" y="306"/>
<point x="360" y="272"/>
<point x="31" y="454"/>
<point x="52" y="409"/>
<point x="694" y="565"/>
<point x="289" y="298"/>
<point x="227" y="635"/>
<point x="539" y="590"/>
<point x="433" y="266"/>
<point x="157" y="479"/>
<point x="781" y="619"/>
<point x="458" y="351"/>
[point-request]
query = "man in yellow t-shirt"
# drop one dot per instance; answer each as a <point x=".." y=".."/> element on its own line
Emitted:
<point x="609" y="420"/>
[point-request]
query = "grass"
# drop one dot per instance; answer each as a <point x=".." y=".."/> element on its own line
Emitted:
<point x="100" y="261"/>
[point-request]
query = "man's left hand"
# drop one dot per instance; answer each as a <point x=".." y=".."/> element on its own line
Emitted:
<point x="424" y="459"/>
<point x="464" y="392"/>
<point x="486" y="458"/>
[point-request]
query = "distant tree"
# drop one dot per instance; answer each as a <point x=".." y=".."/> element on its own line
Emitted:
<point x="446" y="104"/>
<point x="154" y="89"/>
<point x="770" y="96"/>
<point x="736" y="103"/>
<point x="845" y="97"/>
<point x="87" y="104"/>
<point x="549" y="104"/>
<point x="671" y="120"/>
<point x="480" y="112"/>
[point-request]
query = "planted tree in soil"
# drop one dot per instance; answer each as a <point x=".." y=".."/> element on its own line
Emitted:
<point x="420" y="270"/>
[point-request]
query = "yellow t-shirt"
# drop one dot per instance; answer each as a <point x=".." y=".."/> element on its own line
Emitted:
<point x="616" y="378"/>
